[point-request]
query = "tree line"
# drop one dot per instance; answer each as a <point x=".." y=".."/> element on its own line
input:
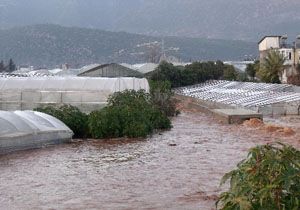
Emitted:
<point x="194" y="73"/>
<point x="269" y="70"/>
<point x="9" y="67"/>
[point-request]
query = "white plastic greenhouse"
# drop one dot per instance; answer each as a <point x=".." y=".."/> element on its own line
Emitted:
<point x="27" y="129"/>
<point x="86" y="93"/>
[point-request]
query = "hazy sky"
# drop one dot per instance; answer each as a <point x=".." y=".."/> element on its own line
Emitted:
<point x="230" y="19"/>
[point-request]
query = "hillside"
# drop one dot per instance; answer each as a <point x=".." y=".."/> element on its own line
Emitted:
<point x="50" y="45"/>
<point x="230" y="19"/>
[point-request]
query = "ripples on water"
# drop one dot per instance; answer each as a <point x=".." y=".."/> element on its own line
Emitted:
<point x="136" y="174"/>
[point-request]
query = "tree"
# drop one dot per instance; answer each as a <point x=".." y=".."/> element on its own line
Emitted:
<point x="11" y="66"/>
<point x="2" y="67"/>
<point x="230" y="73"/>
<point x="191" y="74"/>
<point x="166" y="71"/>
<point x="271" y="67"/>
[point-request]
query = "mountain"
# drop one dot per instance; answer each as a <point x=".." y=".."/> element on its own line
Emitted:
<point x="50" y="45"/>
<point x="219" y="19"/>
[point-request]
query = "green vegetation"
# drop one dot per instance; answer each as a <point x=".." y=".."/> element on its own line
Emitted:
<point x="230" y="73"/>
<point x="71" y="116"/>
<point x="194" y="73"/>
<point x="128" y="114"/>
<point x="268" y="179"/>
<point x="271" y="67"/>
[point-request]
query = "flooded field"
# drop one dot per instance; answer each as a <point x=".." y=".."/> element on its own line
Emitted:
<point x="179" y="169"/>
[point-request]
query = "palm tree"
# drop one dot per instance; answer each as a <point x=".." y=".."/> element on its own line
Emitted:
<point x="271" y="67"/>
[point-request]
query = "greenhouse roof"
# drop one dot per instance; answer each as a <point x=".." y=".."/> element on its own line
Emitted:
<point x="28" y="122"/>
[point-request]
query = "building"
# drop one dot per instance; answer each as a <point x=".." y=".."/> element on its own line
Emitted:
<point x="291" y="53"/>
<point x="109" y="70"/>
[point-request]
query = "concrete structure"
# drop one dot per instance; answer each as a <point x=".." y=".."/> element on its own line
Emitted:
<point x="86" y="93"/>
<point x="235" y="116"/>
<point x="223" y="112"/>
<point x="109" y="70"/>
<point x="291" y="53"/>
<point x="28" y="130"/>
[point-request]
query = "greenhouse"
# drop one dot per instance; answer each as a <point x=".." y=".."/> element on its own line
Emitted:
<point x="268" y="99"/>
<point x="27" y="129"/>
<point x="86" y="93"/>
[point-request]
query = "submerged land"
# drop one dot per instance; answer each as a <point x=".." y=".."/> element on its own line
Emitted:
<point x="178" y="169"/>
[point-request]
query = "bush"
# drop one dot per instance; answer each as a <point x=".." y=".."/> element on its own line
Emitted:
<point x="105" y="123"/>
<point x="128" y="114"/>
<point x="72" y="117"/>
<point x="268" y="179"/>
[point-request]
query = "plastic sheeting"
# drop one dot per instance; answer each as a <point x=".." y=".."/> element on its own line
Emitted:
<point x="28" y="129"/>
<point x="73" y="83"/>
<point x="88" y="94"/>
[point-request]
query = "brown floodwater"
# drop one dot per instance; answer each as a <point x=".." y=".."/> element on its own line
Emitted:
<point x="178" y="169"/>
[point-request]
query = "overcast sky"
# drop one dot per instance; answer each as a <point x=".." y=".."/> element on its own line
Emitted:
<point x="230" y="19"/>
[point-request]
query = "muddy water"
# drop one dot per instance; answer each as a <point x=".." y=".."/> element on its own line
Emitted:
<point x="179" y="169"/>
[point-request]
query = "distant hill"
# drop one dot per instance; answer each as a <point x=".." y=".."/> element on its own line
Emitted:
<point x="217" y="19"/>
<point x="50" y="45"/>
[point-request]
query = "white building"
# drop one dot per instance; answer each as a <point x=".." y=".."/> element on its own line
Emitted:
<point x="291" y="53"/>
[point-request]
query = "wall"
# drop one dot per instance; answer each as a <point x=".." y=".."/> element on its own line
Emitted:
<point x="292" y="108"/>
<point x="269" y="42"/>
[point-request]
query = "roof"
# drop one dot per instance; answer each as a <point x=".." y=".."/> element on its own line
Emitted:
<point x="267" y="37"/>
<point x="145" y="67"/>
<point x="94" y="67"/>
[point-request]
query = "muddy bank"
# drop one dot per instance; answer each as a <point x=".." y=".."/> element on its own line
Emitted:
<point x="179" y="169"/>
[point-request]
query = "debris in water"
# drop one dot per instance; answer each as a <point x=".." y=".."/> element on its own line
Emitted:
<point x="254" y="122"/>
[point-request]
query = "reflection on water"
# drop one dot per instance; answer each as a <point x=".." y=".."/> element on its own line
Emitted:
<point x="180" y="169"/>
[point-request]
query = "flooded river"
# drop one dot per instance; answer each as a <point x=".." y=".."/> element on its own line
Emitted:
<point x="179" y="169"/>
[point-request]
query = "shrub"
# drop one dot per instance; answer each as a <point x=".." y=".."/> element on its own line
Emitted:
<point x="129" y="113"/>
<point x="105" y="123"/>
<point x="268" y="179"/>
<point x="72" y="117"/>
